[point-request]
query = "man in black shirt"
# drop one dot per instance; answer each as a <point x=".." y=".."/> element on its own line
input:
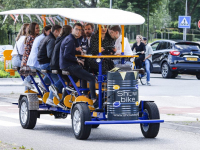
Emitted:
<point x="45" y="50"/>
<point x="69" y="62"/>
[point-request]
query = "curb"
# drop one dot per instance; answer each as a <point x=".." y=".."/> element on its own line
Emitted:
<point x="187" y="128"/>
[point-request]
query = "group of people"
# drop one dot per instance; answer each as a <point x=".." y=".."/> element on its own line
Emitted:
<point x="56" y="49"/>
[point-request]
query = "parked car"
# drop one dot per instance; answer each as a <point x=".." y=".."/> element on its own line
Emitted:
<point x="2" y="48"/>
<point x="171" y="58"/>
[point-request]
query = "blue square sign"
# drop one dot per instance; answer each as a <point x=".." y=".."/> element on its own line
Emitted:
<point x="184" y="22"/>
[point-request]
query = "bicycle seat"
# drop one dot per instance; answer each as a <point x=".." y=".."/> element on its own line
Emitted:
<point x="55" y="71"/>
<point x="142" y="71"/>
<point x="44" y="71"/>
<point x="33" y="70"/>
<point x="65" y="72"/>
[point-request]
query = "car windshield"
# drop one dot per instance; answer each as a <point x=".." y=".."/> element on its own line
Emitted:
<point x="187" y="47"/>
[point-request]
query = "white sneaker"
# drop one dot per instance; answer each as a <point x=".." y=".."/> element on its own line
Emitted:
<point x="148" y="83"/>
<point x="41" y="86"/>
<point x="28" y="84"/>
<point x="50" y="102"/>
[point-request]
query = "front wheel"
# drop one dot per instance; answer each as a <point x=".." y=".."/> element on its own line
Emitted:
<point x="143" y="78"/>
<point x="150" y="112"/>
<point x="198" y="76"/>
<point x="28" y="118"/>
<point x="80" y="114"/>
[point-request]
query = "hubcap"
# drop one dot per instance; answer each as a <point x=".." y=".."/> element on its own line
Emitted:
<point x="164" y="70"/>
<point x="24" y="112"/>
<point x="145" y="126"/>
<point x="77" y="121"/>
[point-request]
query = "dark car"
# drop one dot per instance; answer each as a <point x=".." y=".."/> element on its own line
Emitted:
<point x="172" y="58"/>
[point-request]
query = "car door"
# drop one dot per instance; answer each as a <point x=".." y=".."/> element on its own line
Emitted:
<point x="155" y="46"/>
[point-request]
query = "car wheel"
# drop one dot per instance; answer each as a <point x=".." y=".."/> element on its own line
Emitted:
<point x="150" y="130"/>
<point x="80" y="114"/>
<point x="28" y="118"/>
<point x="166" y="72"/>
<point x="198" y="76"/>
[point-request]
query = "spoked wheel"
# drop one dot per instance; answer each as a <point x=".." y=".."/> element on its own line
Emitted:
<point x="80" y="114"/>
<point x="150" y="112"/>
<point x="28" y="118"/>
<point x="143" y="78"/>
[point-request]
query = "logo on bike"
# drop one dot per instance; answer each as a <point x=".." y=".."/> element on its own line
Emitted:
<point x="117" y="104"/>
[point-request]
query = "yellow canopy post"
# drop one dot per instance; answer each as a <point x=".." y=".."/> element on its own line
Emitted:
<point x="99" y="39"/>
<point x="44" y="23"/>
<point x="122" y="26"/>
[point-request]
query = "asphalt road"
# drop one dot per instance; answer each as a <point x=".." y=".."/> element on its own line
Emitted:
<point x="177" y="99"/>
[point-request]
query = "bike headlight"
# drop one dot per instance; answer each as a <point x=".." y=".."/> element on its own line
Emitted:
<point x="132" y="59"/>
<point x="98" y="60"/>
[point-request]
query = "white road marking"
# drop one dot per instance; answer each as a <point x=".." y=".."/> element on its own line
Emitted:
<point x="8" y="124"/>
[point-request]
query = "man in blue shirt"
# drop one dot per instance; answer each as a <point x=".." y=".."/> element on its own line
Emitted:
<point x="69" y="62"/>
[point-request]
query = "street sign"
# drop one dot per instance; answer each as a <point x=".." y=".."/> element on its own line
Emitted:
<point x="184" y="21"/>
<point x="199" y="24"/>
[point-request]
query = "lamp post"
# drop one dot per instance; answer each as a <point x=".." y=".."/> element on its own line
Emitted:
<point x="185" y="30"/>
<point x="110" y="4"/>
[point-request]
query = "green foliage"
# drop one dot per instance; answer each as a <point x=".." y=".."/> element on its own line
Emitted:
<point x="4" y="74"/>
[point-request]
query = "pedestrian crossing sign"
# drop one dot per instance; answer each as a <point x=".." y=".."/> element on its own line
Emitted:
<point x="184" y="22"/>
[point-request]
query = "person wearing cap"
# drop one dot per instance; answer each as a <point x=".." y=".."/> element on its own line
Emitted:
<point x="148" y="59"/>
<point x="115" y="33"/>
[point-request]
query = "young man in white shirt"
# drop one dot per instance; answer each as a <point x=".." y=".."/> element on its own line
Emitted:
<point x="115" y="33"/>
<point x="148" y="59"/>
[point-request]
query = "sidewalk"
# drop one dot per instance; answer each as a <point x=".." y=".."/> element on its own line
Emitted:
<point x="13" y="81"/>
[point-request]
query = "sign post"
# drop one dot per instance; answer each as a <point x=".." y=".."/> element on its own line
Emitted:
<point x="184" y="22"/>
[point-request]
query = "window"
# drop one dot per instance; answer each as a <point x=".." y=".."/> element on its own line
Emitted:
<point x="163" y="45"/>
<point x="154" y="46"/>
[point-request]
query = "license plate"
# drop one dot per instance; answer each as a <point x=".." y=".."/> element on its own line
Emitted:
<point x="191" y="59"/>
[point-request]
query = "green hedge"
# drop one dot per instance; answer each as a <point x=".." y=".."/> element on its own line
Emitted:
<point x="177" y="36"/>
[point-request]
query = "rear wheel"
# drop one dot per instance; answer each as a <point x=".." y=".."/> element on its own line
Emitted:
<point x="80" y="114"/>
<point x="198" y="76"/>
<point x="150" y="112"/>
<point x="28" y="118"/>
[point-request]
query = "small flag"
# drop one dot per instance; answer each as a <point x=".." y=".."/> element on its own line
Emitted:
<point x="39" y="18"/>
<point x="52" y="20"/>
<point x="12" y="17"/>
<point x="48" y="20"/>
<point x="5" y="18"/>
<point x="29" y="16"/>
<point x="22" y="17"/>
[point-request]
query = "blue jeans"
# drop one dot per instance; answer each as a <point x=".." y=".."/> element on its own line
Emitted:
<point x="54" y="77"/>
<point x="118" y="61"/>
<point x="59" y="85"/>
<point x="47" y="67"/>
<point x="147" y="66"/>
<point x="46" y="79"/>
<point x="28" y="79"/>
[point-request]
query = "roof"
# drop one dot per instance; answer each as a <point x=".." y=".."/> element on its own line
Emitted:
<point x="103" y="16"/>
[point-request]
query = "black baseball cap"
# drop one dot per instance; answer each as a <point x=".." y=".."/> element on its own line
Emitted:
<point x="144" y="38"/>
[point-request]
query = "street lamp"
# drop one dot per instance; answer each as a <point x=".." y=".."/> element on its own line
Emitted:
<point x="110" y="4"/>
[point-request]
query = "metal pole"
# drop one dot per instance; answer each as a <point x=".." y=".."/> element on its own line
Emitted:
<point x="148" y="21"/>
<point x="185" y="29"/>
<point x="110" y="4"/>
